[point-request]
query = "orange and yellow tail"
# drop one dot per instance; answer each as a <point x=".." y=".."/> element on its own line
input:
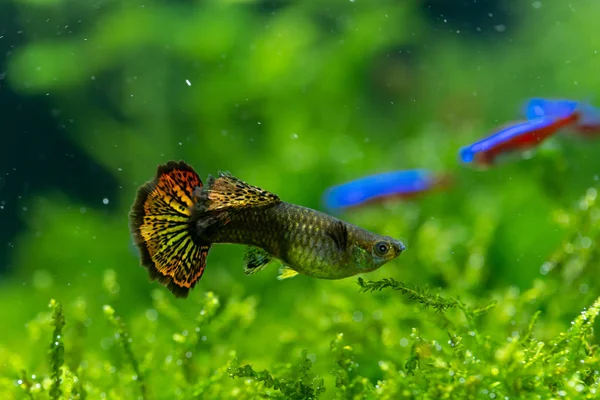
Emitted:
<point x="159" y="221"/>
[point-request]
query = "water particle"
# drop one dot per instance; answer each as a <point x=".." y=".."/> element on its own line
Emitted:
<point x="404" y="342"/>
<point x="536" y="4"/>
<point x="105" y="201"/>
<point x="546" y="267"/>
<point x="500" y="28"/>
<point x="294" y="136"/>
<point x="188" y="354"/>
<point x="510" y="310"/>
<point x="586" y="242"/>
<point x="151" y="314"/>
<point x="188" y="82"/>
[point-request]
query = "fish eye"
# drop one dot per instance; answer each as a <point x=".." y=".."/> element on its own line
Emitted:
<point x="382" y="248"/>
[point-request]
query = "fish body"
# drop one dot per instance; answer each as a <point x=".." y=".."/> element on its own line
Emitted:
<point x="395" y="184"/>
<point x="588" y="123"/>
<point x="540" y="107"/>
<point x="306" y="240"/>
<point x="519" y="136"/>
<point x="175" y="220"/>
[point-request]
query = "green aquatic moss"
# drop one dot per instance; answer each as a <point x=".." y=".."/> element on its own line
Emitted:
<point x="298" y="386"/>
<point x="125" y="341"/>
<point x="57" y="349"/>
<point x="471" y="361"/>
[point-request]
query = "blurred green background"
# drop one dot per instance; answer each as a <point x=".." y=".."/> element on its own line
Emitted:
<point x="293" y="97"/>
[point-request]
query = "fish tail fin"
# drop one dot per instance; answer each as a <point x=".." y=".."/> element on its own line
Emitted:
<point x="228" y="193"/>
<point x="159" y="221"/>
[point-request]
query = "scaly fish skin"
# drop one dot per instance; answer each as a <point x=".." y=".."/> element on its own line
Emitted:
<point x="304" y="239"/>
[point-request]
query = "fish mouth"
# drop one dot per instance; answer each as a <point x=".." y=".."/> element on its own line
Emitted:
<point x="400" y="247"/>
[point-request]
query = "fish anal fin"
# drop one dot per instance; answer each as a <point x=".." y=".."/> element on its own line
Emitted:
<point x="256" y="259"/>
<point x="228" y="192"/>
<point x="286" y="272"/>
<point x="339" y="234"/>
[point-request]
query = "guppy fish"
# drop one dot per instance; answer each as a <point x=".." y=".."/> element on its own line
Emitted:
<point x="175" y="220"/>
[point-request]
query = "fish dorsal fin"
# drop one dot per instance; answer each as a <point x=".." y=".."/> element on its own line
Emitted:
<point x="339" y="234"/>
<point x="228" y="192"/>
<point x="286" y="272"/>
<point x="256" y="260"/>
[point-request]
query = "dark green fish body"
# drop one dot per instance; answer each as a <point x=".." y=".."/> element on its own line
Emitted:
<point x="175" y="220"/>
<point x="308" y="241"/>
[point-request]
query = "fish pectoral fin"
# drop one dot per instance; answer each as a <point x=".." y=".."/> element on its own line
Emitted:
<point x="339" y="234"/>
<point x="256" y="259"/>
<point x="286" y="272"/>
